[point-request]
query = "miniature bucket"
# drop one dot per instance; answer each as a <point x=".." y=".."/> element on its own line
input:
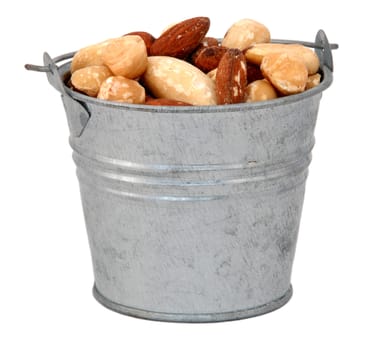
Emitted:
<point x="192" y="212"/>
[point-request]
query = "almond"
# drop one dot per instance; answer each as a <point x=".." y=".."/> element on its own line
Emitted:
<point x="253" y="72"/>
<point x="209" y="41"/>
<point x="181" y="39"/>
<point x="231" y="78"/>
<point x="172" y="78"/>
<point x="208" y="58"/>
<point x="165" y="102"/>
<point x="205" y="42"/>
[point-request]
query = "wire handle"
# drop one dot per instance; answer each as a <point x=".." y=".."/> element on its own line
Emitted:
<point x="77" y="115"/>
<point x="47" y="68"/>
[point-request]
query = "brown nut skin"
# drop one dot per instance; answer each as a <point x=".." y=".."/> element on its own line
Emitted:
<point x="253" y="72"/>
<point x="205" y="42"/>
<point x="256" y="53"/>
<point x="231" y="78"/>
<point x="245" y="33"/>
<point x="146" y="37"/>
<point x="89" y="79"/>
<point x="287" y="73"/>
<point x="126" y="56"/>
<point x="165" y="102"/>
<point x="259" y="90"/>
<point x="181" y="39"/>
<point x="208" y="58"/>
<point x="209" y="41"/>
<point x="121" y="89"/>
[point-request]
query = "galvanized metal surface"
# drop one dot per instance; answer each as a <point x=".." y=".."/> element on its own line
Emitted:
<point x="193" y="213"/>
<point x="198" y="318"/>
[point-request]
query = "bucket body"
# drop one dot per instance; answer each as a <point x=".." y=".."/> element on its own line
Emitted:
<point x="192" y="213"/>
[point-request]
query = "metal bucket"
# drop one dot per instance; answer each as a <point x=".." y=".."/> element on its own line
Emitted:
<point x="192" y="213"/>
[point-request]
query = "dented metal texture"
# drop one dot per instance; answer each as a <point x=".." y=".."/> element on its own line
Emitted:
<point x="193" y="213"/>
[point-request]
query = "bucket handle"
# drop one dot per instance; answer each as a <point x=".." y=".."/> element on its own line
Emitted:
<point x="77" y="115"/>
<point x="324" y="49"/>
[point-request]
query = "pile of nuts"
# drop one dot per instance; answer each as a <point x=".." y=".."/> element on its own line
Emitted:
<point x="184" y="66"/>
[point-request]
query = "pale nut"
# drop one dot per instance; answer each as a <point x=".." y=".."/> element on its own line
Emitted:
<point x="287" y="73"/>
<point x="89" y="56"/>
<point x="313" y="80"/>
<point x="89" y="79"/>
<point x="173" y="78"/>
<point x="146" y="37"/>
<point x="256" y="53"/>
<point x="126" y="56"/>
<point x="245" y="33"/>
<point x="121" y="89"/>
<point x="259" y="90"/>
<point x="212" y="74"/>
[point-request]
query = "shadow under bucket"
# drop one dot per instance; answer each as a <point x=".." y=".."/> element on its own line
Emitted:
<point x="192" y="213"/>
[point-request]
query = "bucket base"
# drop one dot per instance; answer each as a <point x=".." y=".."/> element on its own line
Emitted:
<point x="193" y="318"/>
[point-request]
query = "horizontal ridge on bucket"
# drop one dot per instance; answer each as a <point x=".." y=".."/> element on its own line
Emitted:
<point x="201" y="185"/>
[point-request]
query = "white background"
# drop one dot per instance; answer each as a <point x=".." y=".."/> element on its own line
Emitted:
<point x="46" y="274"/>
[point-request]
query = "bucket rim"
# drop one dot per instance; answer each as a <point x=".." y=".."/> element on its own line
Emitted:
<point x="326" y="81"/>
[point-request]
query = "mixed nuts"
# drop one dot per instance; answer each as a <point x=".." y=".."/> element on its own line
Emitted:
<point x="184" y="66"/>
